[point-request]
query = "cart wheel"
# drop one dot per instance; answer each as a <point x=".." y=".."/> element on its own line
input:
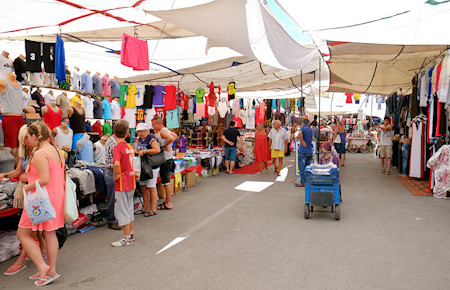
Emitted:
<point x="306" y="211"/>
<point x="364" y="148"/>
<point x="353" y="148"/>
<point x="337" y="212"/>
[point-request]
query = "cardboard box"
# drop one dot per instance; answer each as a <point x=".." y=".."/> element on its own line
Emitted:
<point x="189" y="178"/>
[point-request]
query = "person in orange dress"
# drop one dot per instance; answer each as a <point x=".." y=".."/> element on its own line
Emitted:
<point x="47" y="168"/>
<point x="261" y="148"/>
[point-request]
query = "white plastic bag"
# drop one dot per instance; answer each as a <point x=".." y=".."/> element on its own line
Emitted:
<point x="70" y="204"/>
<point x="37" y="205"/>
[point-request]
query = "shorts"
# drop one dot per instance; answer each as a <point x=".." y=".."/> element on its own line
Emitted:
<point x="230" y="153"/>
<point x="164" y="171"/>
<point x="11" y="126"/>
<point x="151" y="183"/>
<point x="124" y="207"/>
<point x="340" y="148"/>
<point x="385" y="151"/>
<point x="277" y="153"/>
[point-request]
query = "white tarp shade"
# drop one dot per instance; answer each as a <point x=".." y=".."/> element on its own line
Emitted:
<point x="407" y="22"/>
<point x="250" y="75"/>
<point x="246" y="27"/>
<point x="377" y="68"/>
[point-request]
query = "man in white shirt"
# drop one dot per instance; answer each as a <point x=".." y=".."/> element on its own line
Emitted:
<point x="386" y="134"/>
<point x="278" y="143"/>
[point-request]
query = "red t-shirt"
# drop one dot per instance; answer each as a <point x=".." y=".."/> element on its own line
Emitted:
<point x="124" y="154"/>
<point x="161" y="112"/>
<point x="170" y="98"/>
<point x="97" y="128"/>
<point x="349" y="98"/>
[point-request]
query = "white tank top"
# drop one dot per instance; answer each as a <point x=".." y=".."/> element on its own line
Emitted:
<point x="62" y="139"/>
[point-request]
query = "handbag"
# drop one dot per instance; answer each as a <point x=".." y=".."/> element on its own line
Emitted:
<point x="155" y="160"/>
<point x="70" y="203"/>
<point x="37" y="205"/>
<point x="337" y="140"/>
<point x="291" y="146"/>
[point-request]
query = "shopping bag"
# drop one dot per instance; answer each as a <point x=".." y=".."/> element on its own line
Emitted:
<point x="70" y="202"/>
<point x="337" y="140"/>
<point x="291" y="146"/>
<point x="37" y="205"/>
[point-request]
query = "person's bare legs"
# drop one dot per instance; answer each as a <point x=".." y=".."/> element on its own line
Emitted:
<point x="280" y="164"/>
<point x="34" y="252"/>
<point x="274" y="161"/>
<point x="342" y="159"/>
<point x="260" y="164"/>
<point x="42" y="243"/>
<point x="145" y="197"/>
<point x="52" y="251"/>
<point x="21" y="261"/>
<point x="382" y="165"/>
<point x="232" y="166"/>
<point x="168" y="200"/>
<point x="388" y="160"/>
<point x="153" y="198"/>
<point x="227" y="166"/>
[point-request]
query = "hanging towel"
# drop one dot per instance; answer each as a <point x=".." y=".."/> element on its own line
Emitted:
<point x="134" y="53"/>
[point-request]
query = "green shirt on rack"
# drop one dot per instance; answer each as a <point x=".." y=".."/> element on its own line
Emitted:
<point x="123" y="92"/>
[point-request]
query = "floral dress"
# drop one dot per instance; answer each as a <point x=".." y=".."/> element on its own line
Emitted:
<point x="440" y="164"/>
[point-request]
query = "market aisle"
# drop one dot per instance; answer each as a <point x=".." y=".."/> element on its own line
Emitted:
<point x="386" y="239"/>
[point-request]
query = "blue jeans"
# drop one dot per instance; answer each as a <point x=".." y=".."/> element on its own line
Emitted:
<point x="405" y="157"/>
<point x="304" y="159"/>
<point x="111" y="195"/>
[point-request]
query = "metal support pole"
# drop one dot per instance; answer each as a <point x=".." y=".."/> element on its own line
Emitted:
<point x="320" y="70"/>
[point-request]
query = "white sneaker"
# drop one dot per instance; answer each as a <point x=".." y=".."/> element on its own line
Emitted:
<point x="122" y="242"/>
<point x="132" y="238"/>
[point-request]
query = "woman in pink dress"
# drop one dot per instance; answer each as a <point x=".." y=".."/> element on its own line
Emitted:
<point x="261" y="147"/>
<point x="47" y="168"/>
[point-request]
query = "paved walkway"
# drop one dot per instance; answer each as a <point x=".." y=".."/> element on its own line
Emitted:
<point x="386" y="239"/>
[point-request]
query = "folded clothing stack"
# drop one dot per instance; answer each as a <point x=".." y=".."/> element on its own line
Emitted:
<point x="9" y="245"/>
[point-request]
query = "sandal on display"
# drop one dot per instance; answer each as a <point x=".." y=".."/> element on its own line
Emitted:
<point x="163" y="206"/>
<point x="13" y="270"/>
<point x="46" y="281"/>
<point x="149" y="213"/>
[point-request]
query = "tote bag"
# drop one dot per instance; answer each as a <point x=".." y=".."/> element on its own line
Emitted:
<point x="37" y="205"/>
<point x="338" y="139"/>
<point x="70" y="202"/>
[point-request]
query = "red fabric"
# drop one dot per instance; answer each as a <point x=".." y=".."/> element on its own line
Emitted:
<point x="123" y="154"/>
<point x="97" y="128"/>
<point x="8" y="212"/>
<point x="51" y="118"/>
<point x="185" y="99"/>
<point x="262" y="152"/>
<point x="260" y="113"/>
<point x="161" y="112"/>
<point x="11" y="126"/>
<point x="134" y="53"/>
<point x="238" y="121"/>
<point x="349" y="98"/>
<point x="170" y="98"/>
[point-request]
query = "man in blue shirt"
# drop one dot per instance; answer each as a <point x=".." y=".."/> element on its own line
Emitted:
<point x="305" y="150"/>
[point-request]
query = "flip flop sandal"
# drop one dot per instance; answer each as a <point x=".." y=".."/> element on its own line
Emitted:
<point x="149" y="213"/>
<point x="13" y="270"/>
<point x="46" y="281"/>
<point x="383" y="171"/>
<point x="388" y="173"/>
<point x="139" y="212"/>
<point x="163" y="206"/>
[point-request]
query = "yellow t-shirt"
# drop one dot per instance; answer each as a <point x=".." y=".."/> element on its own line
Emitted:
<point x="357" y="97"/>
<point x="132" y="90"/>
<point x="75" y="99"/>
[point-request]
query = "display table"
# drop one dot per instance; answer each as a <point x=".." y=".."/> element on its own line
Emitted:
<point x="358" y="143"/>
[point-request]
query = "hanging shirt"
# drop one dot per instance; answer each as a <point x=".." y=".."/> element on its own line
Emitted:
<point x="139" y="96"/>
<point x="97" y="84"/>
<point x="160" y="113"/>
<point x="223" y="108"/>
<point x="106" y="106"/>
<point x="131" y="99"/>
<point x="75" y="81"/>
<point x="172" y="119"/>
<point x="357" y="98"/>
<point x="199" y="93"/>
<point x="140" y="115"/>
<point x="444" y="81"/>
<point x="148" y="97"/>
<point x="170" y="98"/>
<point x="158" y="96"/>
<point x="349" y="99"/>
<point x="231" y="90"/>
<point x="115" y="88"/>
<point x="60" y="60"/>
<point x="106" y="86"/>
<point x="86" y="83"/>
<point x="123" y="94"/>
<point x="130" y="116"/>
<point x="149" y="115"/>
<point x="88" y="105"/>
<point x="115" y="110"/>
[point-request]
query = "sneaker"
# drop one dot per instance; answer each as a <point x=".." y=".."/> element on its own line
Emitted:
<point x="115" y="227"/>
<point x="122" y="242"/>
<point x="132" y="238"/>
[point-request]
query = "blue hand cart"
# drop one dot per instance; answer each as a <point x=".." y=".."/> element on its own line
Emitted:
<point x="322" y="189"/>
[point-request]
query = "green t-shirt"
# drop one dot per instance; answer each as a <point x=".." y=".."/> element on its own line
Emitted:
<point x="123" y="92"/>
<point x="107" y="129"/>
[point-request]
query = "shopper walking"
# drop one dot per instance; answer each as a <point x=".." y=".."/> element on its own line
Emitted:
<point x="339" y="140"/>
<point x="47" y="168"/>
<point x="230" y="136"/>
<point x="146" y="143"/>
<point x="386" y="134"/>
<point x="305" y="150"/>
<point x="261" y="148"/>
<point x="278" y="143"/>
<point x="165" y="138"/>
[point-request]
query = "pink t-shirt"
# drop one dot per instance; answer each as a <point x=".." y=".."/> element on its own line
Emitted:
<point x="106" y="86"/>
